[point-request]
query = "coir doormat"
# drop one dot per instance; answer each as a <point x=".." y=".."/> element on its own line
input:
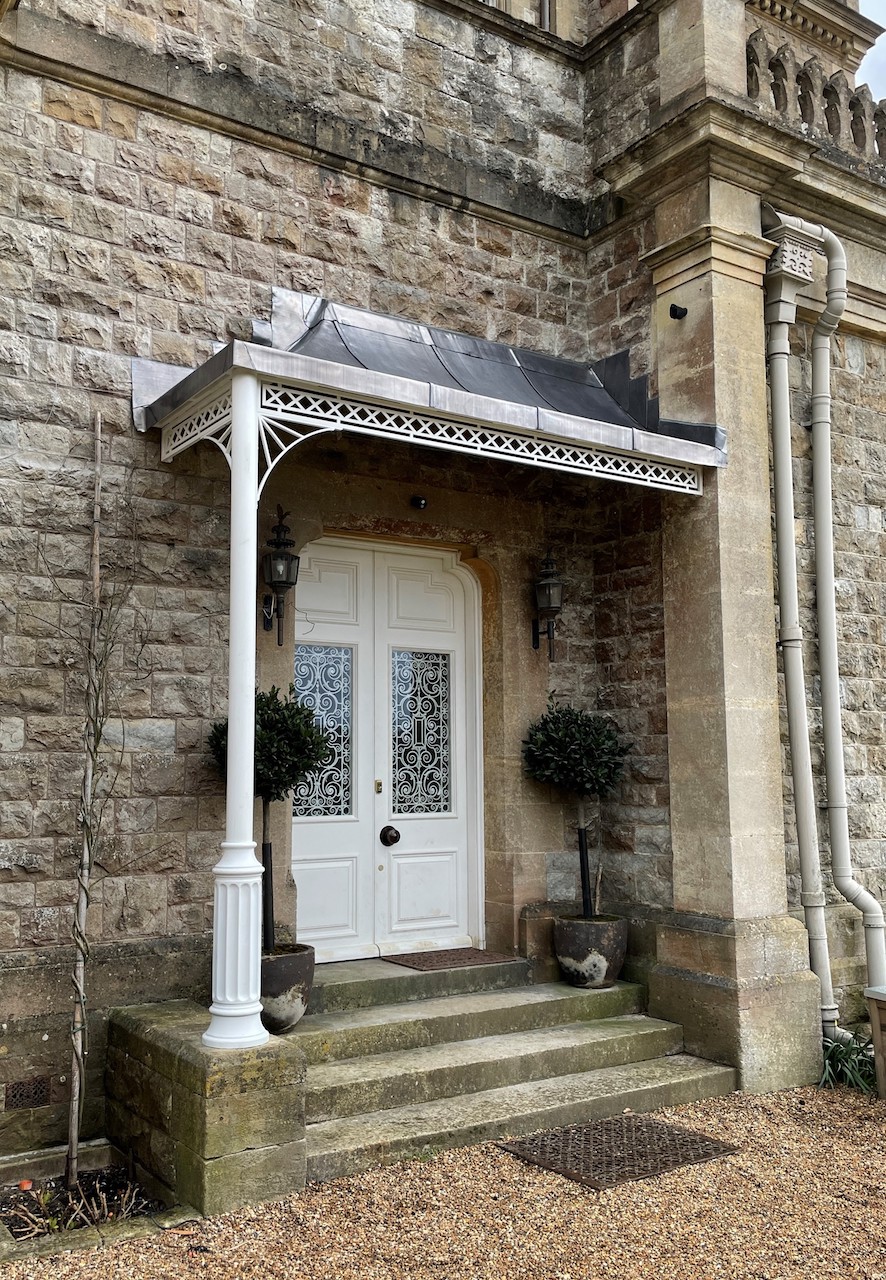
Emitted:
<point x="457" y="958"/>
<point x="623" y="1148"/>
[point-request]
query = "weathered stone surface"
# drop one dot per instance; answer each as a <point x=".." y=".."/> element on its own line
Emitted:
<point x="219" y="1129"/>
<point x="247" y="1177"/>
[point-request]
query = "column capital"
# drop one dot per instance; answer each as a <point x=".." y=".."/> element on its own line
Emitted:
<point x="705" y="250"/>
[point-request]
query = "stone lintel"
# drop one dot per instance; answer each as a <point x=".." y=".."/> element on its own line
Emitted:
<point x="708" y="249"/>
<point x="744" y="995"/>
<point x="216" y="1129"/>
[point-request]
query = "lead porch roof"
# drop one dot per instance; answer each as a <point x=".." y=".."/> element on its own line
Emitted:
<point x="383" y="359"/>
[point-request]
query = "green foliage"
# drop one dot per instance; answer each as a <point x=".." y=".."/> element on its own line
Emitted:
<point x="851" y="1064"/>
<point x="289" y="744"/>
<point x="574" y="750"/>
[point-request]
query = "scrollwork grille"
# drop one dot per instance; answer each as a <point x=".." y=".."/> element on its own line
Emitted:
<point x="324" y="680"/>
<point x="421" y="735"/>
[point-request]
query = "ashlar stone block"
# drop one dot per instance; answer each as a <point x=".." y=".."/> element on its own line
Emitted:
<point x="218" y="1129"/>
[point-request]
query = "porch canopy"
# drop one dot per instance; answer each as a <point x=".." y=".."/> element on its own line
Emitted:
<point x="322" y="367"/>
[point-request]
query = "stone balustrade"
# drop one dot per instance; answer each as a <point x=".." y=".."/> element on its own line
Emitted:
<point x="804" y="97"/>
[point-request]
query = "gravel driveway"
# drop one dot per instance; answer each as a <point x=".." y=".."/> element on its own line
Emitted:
<point x="804" y="1197"/>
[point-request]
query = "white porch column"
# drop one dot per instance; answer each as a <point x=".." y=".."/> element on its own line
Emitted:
<point x="236" y="937"/>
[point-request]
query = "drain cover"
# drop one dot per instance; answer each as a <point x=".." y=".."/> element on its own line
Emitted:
<point x="619" y="1149"/>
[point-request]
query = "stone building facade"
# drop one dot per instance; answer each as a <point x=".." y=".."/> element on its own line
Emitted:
<point x="165" y="167"/>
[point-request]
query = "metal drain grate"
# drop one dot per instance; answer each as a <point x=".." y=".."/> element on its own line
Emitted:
<point x="619" y="1149"/>
<point x="24" y="1094"/>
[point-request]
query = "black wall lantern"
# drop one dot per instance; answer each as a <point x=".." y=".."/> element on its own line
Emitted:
<point x="280" y="573"/>
<point x="548" y="603"/>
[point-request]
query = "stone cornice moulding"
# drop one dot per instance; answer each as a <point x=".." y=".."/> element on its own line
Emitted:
<point x="828" y="23"/>
<point x="707" y="138"/>
<point x="855" y="211"/>
<point x="716" y="139"/>
<point x="705" y="250"/>
<point x="76" y="56"/>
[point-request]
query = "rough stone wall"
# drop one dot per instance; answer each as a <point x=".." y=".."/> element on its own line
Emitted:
<point x="403" y="70"/>
<point x="622" y="295"/>
<point x="612" y="660"/>
<point x="859" y="485"/>
<point x="629" y="635"/>
<point x="626" y="73"/>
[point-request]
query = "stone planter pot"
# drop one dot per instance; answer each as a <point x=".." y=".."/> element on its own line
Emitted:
<point x="590" y="952"/>
<point x="286" y="979"/>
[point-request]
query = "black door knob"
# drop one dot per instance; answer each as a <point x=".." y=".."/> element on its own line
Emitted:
<point x="389" y="836"/>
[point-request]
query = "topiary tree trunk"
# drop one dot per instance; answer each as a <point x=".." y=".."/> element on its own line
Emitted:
<point x="582" y="755"/>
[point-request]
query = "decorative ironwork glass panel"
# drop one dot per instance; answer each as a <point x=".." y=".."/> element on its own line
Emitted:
<point x="421" y="733"/>
<point x="324" y="680"/>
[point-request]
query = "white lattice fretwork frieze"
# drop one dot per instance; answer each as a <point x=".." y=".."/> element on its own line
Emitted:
<point x="290" y="414"/>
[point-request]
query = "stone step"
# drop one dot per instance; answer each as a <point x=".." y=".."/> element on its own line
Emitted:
<point x="339" y="1148"/>
<point x="358" y="1033"/>
<point x="385" y="1081"/>
<point x="360" y="984"/>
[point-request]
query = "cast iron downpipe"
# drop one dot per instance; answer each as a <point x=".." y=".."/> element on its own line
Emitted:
<point x="780" y="314"/>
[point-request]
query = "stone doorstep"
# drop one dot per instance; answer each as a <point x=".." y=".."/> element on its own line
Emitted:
<point x="385" y="1081"/>
<point x="359" y="984"/>
<point x="389" y="1028"/>
<point x="340" y="1148"/>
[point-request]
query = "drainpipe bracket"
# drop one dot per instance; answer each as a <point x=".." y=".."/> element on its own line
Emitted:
<point x="813" y="900"/>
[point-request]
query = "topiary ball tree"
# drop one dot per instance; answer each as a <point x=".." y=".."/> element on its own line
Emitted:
<point x="289" y="745"/>
<point x="583" y="755"/>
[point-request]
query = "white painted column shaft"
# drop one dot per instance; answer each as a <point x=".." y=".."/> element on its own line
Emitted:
<point x="236" y="939"/>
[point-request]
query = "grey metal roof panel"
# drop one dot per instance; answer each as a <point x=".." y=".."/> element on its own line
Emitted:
<point x="393" y="360"/>
<point x="323" y="342"/>
<point x="555" y="367"/>
<point x="465" y="344"/>
<point x="492" y="378"/>
<point x="582" y="400"/>
<point x="389" y="353"/>
<point x="377" y="323"/>
<point x="468" y="404"/>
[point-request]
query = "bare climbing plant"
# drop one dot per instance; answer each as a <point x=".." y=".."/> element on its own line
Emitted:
<point x="105" y="611"/>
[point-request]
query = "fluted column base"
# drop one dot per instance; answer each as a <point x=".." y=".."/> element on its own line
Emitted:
<point x="236" y="951"/>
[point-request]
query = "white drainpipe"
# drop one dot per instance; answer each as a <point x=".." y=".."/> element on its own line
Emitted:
<point x="782" y="290"/>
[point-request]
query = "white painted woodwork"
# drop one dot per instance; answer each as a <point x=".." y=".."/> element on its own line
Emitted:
<point x="355" y="896"/>
<point x="236" y="937"/>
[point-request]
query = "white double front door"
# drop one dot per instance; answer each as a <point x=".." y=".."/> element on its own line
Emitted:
<point x="386" y="838"/>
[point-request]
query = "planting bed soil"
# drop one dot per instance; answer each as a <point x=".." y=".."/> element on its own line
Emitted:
<point x="44" y="1207"/>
